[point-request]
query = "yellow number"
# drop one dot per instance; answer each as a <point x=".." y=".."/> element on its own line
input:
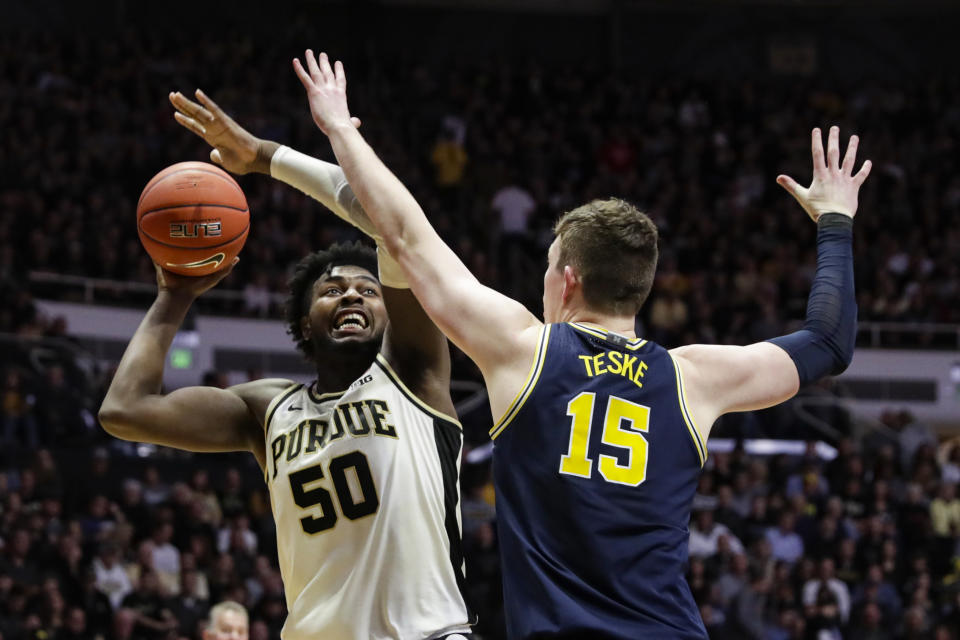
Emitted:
<point x="615" y="434"/>
<point x="576" y="462"/>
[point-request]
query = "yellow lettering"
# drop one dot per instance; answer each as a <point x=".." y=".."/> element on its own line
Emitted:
<point x="586" y="363"/>
<point x="598" y="363"/>
<point x="641" y="368"/>
<point x="616" y="365"/>
<point x="628" y="361"/>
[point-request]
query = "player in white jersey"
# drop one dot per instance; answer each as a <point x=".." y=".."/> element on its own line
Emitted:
<point x="362" y="464"/>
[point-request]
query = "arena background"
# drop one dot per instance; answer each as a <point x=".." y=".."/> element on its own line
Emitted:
<point x="835" y="514"/>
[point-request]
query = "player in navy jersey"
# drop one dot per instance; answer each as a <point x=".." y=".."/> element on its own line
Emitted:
<point x="602" y="435"/>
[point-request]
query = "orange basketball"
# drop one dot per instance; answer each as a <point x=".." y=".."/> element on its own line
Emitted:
<point x="193" y="218"/>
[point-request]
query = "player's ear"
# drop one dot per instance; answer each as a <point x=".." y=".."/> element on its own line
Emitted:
<point x="571" y="281"/>
<point x="305" y="329"/>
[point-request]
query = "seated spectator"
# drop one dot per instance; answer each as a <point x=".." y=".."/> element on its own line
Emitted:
<point x="826" y="579"/>
<point x="705" y="534"/>
<point x="153" y="618"/>
<point x="876" y="590"/>
<point x="111" y="577"/>
<point x="785" y="544"/>
<point x="747" y="614"/>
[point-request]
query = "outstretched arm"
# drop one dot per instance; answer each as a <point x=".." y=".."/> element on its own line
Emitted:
<point x="721" y="379"/>
<point x="192" y="418"/>
<point x="413" y="345"/>
<point x="463" y="308"/>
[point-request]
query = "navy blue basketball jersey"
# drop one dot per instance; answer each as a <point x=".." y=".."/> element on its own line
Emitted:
<point x="595" y="466"/>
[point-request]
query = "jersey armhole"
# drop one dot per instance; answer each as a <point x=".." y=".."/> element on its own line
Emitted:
<point x="398" y="383"/>
<point x="275" y="403"/>
<point x="528" y="385"/>
<point x="698" y="442"/>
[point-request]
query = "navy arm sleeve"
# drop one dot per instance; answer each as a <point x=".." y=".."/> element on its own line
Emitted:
<point x="825" y="343"/>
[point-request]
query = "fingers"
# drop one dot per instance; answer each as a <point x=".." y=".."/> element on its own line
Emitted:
<point x="850" y="157"/>
<point x="833" y="148"/>
<point x="328" y="75"/>
<point x="215" y="157"/>
<point x="189" y="108"/>
<point x="341" y="75"/>
<point x="190" y="124"/>
<point x="816" y="147"/>
<point x="208" y="102"/>
<point x="863" y="173"/>
<point x="312" y="66"/>
<point x="790" y="185"/>
<point x="305" y="78"/>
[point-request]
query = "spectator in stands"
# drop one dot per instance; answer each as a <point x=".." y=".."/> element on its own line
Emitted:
<point x="153" y="617"/>
<point x="155" y="491"/>
<point x="784" y="542"/>
<point x="165" y="560"/>
<point x="748" y="611"/>
<point x="19" y="423"/>
<point x="111" y="577"/>
<point x="228" y="621"/>
<point x="18" y="562"/>
<point x="826" y="579"/>
<point x="705" y="535"/>
<point x="61" y="407"/>
<point x="75" y="626"/>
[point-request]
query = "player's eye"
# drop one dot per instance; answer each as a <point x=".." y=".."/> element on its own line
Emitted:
<point x="331" y="291"/>
<point x="370" y="291"/>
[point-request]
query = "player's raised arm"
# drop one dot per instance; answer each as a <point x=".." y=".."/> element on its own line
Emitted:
<point x="462" y="307"/>
<point x="411" y="339"/>
<point x="193" y="418"/>
<point x="721" y="379"/>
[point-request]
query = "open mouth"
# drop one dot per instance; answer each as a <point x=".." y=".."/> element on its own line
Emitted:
<point x="350" y="321"/>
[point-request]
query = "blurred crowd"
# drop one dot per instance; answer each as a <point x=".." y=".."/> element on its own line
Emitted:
<point x="494" y="154"/>
<point x="100" y="543"/>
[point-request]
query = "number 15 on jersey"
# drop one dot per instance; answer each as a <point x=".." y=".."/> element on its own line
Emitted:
<point x="624" y="424"/>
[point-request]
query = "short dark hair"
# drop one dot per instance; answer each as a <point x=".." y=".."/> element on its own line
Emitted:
<point x="309" y="270"/>
<point x="613" y="247"/>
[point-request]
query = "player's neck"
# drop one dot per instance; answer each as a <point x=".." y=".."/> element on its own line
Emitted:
<point x="622" y="325"/>
<point x="337" y="371"/>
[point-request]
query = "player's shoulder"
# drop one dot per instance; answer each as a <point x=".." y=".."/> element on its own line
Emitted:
<point x="259" y="394"/>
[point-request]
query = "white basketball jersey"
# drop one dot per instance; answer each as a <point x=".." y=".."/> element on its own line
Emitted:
<point x="365" y="492"/>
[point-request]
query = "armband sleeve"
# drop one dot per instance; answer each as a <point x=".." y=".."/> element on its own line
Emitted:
<point x="825" y="344"/>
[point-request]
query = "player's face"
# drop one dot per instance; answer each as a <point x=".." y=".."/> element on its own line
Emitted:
<point x="347" y="308"/>
<point x="552" y="284"/>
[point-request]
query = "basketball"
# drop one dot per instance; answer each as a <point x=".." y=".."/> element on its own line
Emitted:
<point x="193" y="218"/>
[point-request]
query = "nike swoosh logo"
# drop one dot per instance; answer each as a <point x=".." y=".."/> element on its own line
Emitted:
<point x="294" y="408"/>
<point x="215" y="260"/>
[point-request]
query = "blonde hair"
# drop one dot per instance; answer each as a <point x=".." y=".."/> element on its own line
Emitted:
<point x="613" y="248"/>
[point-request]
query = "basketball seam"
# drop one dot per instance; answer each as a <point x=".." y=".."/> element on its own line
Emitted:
<point x="176" y="246"/>
<point x="230" y="181"/>
<point x="144" y="214"/>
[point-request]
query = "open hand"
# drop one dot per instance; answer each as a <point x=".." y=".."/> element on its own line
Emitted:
<point x="234" y="148"/>
<point x="191" y="286"/>
<point x="326" y="91"/>
<point x="834" y="188"/>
